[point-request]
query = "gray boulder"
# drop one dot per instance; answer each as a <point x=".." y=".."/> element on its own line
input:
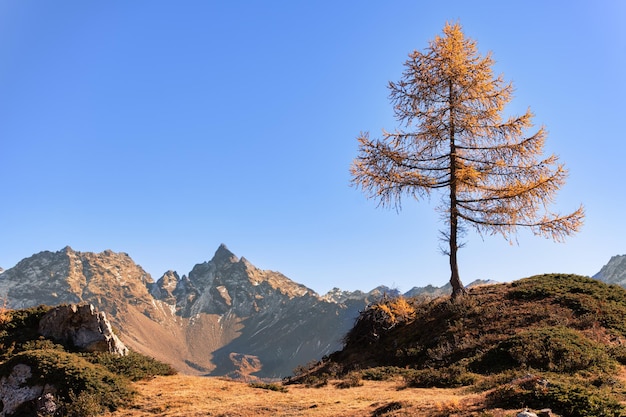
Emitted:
<point x="15" y="391"/>
<point x="82" y="327"/>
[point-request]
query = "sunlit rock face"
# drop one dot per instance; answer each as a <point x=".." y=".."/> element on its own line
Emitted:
<point x="613" y="272"/>
<point x="81" y="327"/>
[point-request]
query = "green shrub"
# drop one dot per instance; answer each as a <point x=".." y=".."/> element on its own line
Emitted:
<point x="383" y="373"/>
<point x="270" y="387"/>
<point x="134" y="366"/>
<point x="41" y="343"/>
<point x="558" y="349"/>
<point x="447" y="377"/>
<point x="19" y="330"/>
<point x="589" y="299"/>
<point x="71" y="373"/>
<point x="618" y="352"/>
<point x="85" y="404"/>
<point x="563" y="398"/>
<point x="27" y="318"/>
<point x="351" y="380"/>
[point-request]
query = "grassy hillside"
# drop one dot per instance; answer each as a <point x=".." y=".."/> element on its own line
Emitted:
<point x="556" y="341"/>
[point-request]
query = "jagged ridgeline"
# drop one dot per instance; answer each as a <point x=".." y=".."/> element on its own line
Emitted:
<point x="226" y="317"/>
<point x="202" y="323"/>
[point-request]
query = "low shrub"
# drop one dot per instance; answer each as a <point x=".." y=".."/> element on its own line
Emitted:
<point x="73" y="374"/>
<point x="589" y="299"/>
<point x="447" y="377"/>
<point x="557" y="349"/>
<point x="380" y="317"/>
<point x="270" y="387"/>
<point x="563" y="398"/>
<point x="383" y="373"/>
<point x="618" y="352"/>
<point x="19" y="330"/>
<point x="388" y="408"/>
<point x="351" y="380"/>
<point x="85" y="404"/>
<point x="315" y="381"/>
<point x="134" y="366"/>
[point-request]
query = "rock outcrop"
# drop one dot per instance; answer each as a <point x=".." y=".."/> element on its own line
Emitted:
<point x="15" y="391"/>
<point x="81" y="327"/>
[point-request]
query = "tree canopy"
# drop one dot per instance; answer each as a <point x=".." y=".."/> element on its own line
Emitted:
<point x="453" y="137"/>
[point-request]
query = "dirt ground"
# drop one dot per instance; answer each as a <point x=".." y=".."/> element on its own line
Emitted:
<point x="192" y="396"/>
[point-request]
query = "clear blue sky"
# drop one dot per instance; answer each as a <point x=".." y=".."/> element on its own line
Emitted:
<point x="164" y="128"/>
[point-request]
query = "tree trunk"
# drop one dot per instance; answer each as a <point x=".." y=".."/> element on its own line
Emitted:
<point x="455" y="280"/>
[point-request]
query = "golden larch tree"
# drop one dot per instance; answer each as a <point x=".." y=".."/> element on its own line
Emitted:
<point x="453" y="137"/>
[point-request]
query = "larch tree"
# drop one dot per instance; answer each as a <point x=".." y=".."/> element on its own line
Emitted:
<point x="453" y="137"/>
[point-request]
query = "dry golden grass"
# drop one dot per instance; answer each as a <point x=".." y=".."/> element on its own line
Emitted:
<point x="190" y="396"/>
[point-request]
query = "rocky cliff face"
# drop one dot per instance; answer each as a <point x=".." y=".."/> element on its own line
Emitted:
<point x="82" y="327"/>
<point x="613" y="272"/>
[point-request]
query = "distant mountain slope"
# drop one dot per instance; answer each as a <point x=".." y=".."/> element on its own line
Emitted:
<point x="613" y="272"/>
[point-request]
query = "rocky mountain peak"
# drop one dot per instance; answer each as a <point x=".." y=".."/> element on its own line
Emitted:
<point x="108" y="280"/>
<point x="165" y="287"/>
<point x="227" y="284"/>
<point x="613" y="272"/>
<point x="223" y="255"/>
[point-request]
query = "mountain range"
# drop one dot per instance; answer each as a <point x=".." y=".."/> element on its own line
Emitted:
<point x="226" y="317"/>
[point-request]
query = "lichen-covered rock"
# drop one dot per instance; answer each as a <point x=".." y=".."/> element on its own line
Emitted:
<point x="15" y="392"/>
<point x="82" y="327"/>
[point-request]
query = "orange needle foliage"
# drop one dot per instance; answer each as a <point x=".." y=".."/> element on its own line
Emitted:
<point x="453" y="137"/>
